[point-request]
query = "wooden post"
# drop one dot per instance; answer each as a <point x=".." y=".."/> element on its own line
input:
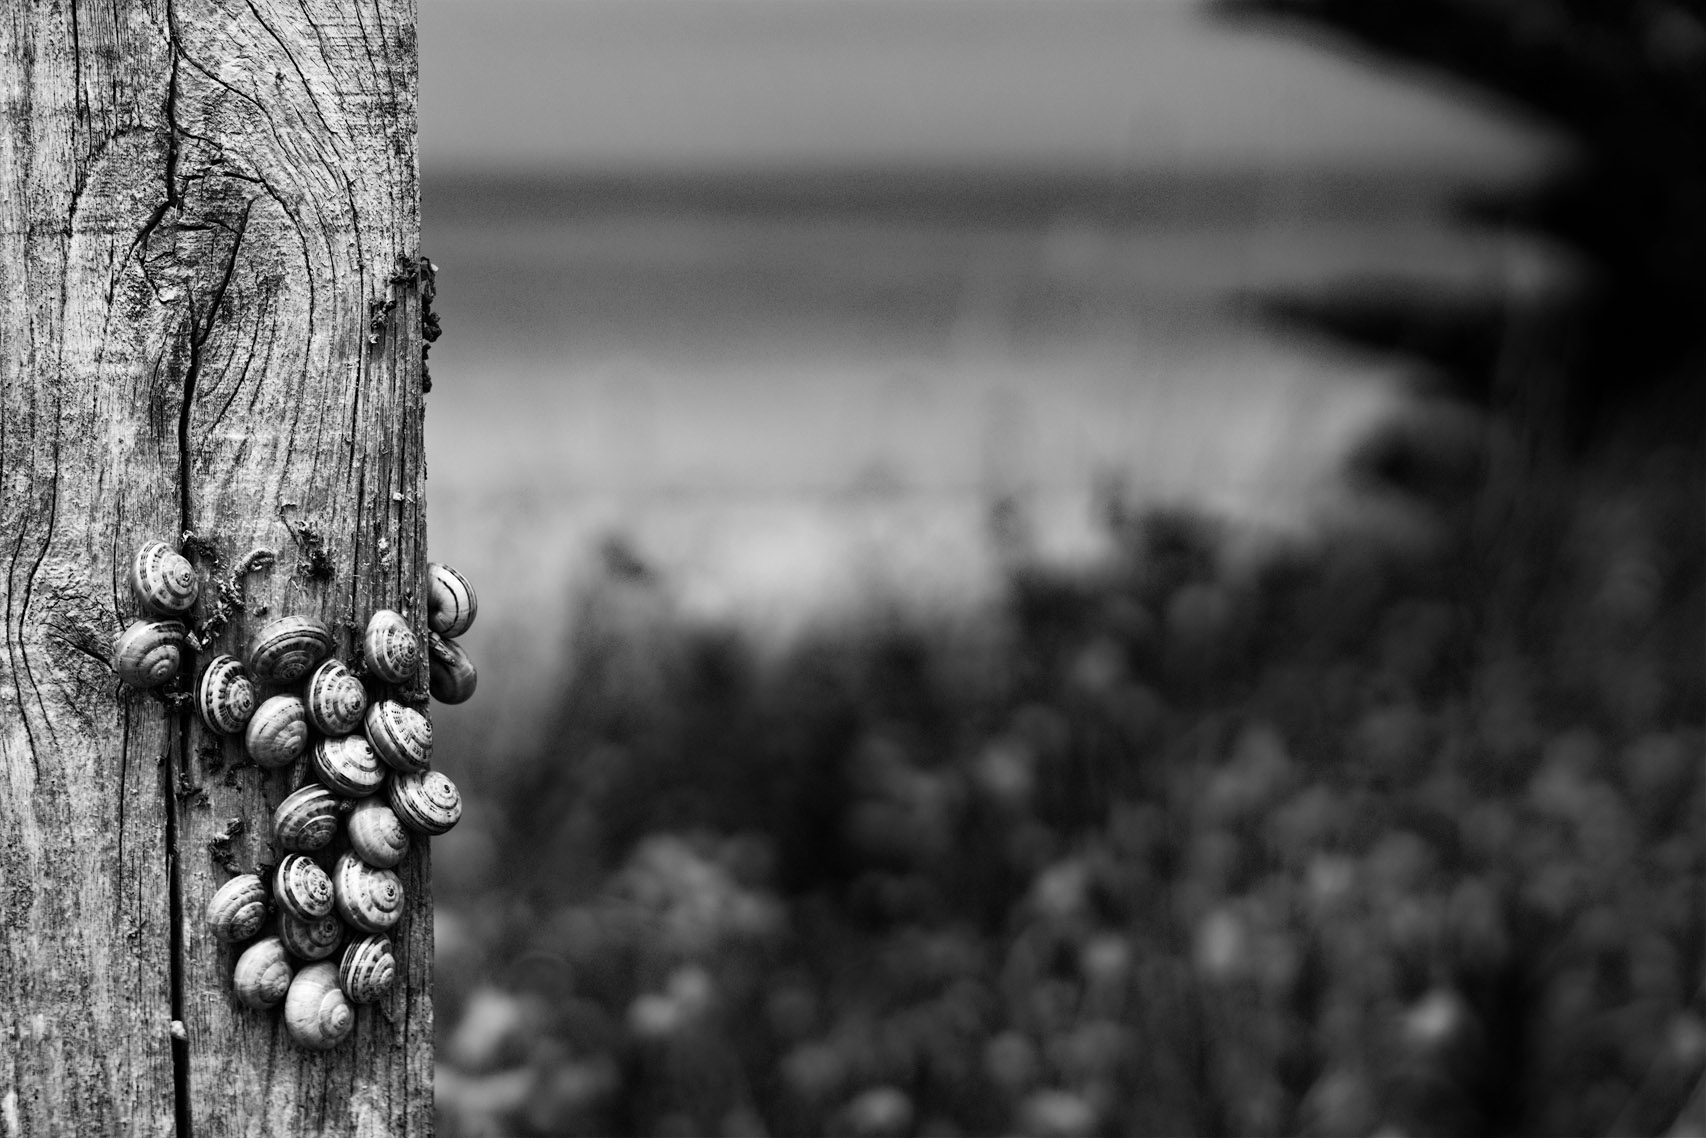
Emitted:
<point x="210" y="322"/>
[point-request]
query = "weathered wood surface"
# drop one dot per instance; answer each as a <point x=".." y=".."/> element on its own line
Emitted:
<point x="209" y="322"/>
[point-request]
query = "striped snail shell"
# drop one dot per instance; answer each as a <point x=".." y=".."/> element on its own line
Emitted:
<point x="149" y="652"/>
<point x="348" y="766"/>
<point x="376" y="835"/>
<point x="371" y="899"/>
<point x="278" y="731"/>
<point x="262" y="975"/>
<point x="335" y="698"/>
<point x="313" y="939"/>
<point x="307" y="820"/>
<point x="390" y="648"/>
<point x="452" y="672"/>
<point x="451" y="603"/>
<point x="225" y="696"/>
<point x="163" y="580"/>
<point x="317" y="1014"/>
<point x="302" y="888"/>
<point x="426" y="802"/>
<point x="285" y="649"/>
<point x="400" y="735"/>
<point x="367" y="969"/>
<point x="238" y="908"/>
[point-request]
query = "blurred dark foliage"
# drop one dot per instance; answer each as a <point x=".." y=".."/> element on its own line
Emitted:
<point x="1346" y="838"/>
<point x="1626" y="81"/>
<point x="1360" y="836"/>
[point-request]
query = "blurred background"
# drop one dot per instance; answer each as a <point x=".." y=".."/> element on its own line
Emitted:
<point x="1057" y="567"/>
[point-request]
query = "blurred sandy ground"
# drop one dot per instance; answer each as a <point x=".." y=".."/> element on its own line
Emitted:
<point x="792" y="369"/>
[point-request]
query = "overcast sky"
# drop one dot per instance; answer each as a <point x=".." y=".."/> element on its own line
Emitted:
<point x="1081" y="84"/>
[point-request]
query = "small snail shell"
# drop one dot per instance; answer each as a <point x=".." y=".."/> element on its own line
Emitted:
<point x="376" y="835"/>
<point x="163" y="580"/>
<point x="238" y="908"/>
<point x="317" y="1014"/>
<point x="150" y="652"/>
<point x="367" y="969"/>
<point x="284" y="649"/>
<point x="335" y="698"/>
<point x="452" y="672"/>
<point x="262" y="975"/>
<point x="390" y="648"/>
<point x="426" y="802"/>
<point x="348" y="766"/>
<point x="307" y="820"/>
<point x="278" y="731"/>
<point x="302" y="888"/>
<point x="451" y="603"/>
<point x="311" y="940"/>
<point x="370" y="899"/>
<point x="225" y="696"/>
<point x="400" y="735"/>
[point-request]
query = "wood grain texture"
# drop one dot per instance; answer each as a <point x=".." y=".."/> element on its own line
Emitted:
<point x="209" y="322"/>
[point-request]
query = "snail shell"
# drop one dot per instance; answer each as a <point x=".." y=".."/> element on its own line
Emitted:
<point x="278" y="731"/>
<point x="335" y="699"/>
<point x="150" y="652"/>
<point x="452" y="672"/>
<point x="311" y="940"/>
<point x="285" y="649"/>
<point x="426" y="802"/>
<point x="262" y="975"/>
<point x="302" y="888"/>
<point x="238" y="908"/>
<point x="371" y="899"/>
<point x="400" y="735"/>
<point x="390" y="648"/>
<point x="376" y="834"/>
<point x="307" y="820"/>
<point x="163" y="580"/>
<point x="367" y="969"/>
<point x="317" y="1014"/>
<point x="225" y="696"/>
<point x="451" y="603"/>
<point x="348" y="766"/>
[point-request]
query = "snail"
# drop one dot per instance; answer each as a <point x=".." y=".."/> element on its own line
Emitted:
<point x="390" y="648"/>
<point x="225" y="696"/>
<point x="238" y="908"/>
<point x="262" y="974"/>
<point x="427" y="802"/>
<point x="376" y="835"/>
<point x="348" y="766"/>
<point x="400" y="735"/>
<point x="163" y="580"/>
<point x="149" y="652"/>
<point x="452" y="673"/>
<point x="313" y="939"/>
<point x="302" y="888"/>
<point x="367" y="969"/>
<point x="317" y="1014"/>
<point x="370" y="899"/>
<point x="335" y="698"/>
<point x="278" y="731"/>
<point x="451" y="603"/>
<point x="307" y="819"/>
<point x="285" y="649"/>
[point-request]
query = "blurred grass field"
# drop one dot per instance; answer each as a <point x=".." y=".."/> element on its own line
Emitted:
<point x="953" y="667"/>
<point x="1347" y="838"/>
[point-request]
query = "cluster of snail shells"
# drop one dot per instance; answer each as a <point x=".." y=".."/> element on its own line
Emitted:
<point x="153" y="649"/>
<point x="451" y="605"/>
<point x="367" y="791"/>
